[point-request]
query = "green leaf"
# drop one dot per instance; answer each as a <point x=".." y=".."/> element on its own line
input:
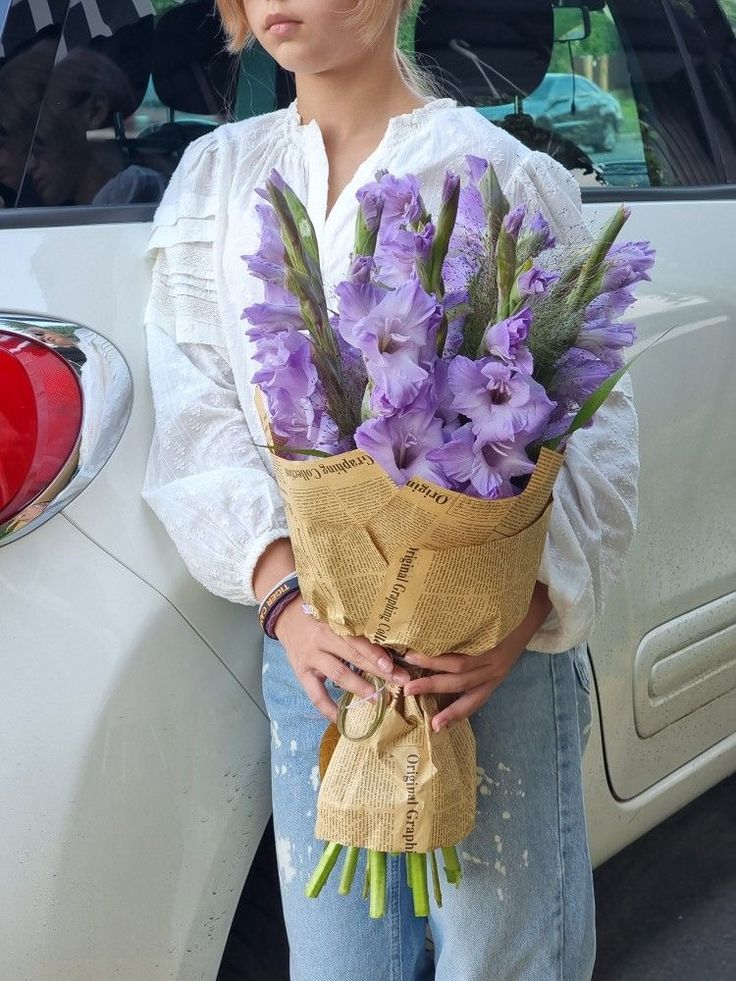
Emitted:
<point x="291" y="449"/>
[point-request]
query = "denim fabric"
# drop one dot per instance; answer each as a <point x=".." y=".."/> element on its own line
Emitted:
<point x="525" y="910"/>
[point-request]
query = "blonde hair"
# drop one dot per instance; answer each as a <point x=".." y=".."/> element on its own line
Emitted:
<point x="369" y="20"/>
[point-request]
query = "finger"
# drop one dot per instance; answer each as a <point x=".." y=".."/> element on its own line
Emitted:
<point x="463" y="707"/>
<point x="373" y="658"/>
<point x="317" y="695"/>
<point x="448" y="682"/>
<point x="453" y="663"/>
<point x="338" y="671"/>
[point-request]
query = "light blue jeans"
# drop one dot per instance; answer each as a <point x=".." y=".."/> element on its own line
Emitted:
<point x="525" y="910"/>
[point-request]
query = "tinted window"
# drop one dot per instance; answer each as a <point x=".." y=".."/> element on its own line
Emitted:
<point x="99" y="98"/>
<point x="729" y="9"/>
<point x="643" y="100"/>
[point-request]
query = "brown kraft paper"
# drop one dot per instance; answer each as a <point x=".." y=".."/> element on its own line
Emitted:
<point x="414" y="567"/>
<point x="407" y="788"/>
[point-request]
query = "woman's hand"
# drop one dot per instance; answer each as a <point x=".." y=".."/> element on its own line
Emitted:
<point x="475" y="677"/>
<point x="316" y="652"/>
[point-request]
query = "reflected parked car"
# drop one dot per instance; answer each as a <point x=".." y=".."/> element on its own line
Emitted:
<point x="572" y="106"/>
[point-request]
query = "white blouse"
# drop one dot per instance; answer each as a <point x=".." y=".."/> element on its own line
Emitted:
<point x="206" y="480"/>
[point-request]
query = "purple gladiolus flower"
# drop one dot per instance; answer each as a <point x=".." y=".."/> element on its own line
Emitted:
<point x="400" y="443"/>
<point x="536" y="281"/>
<point x="398" y="339"/>
<point x="286" y="361"/>
<point x="506" y="340"/>
<point x="502" y="404"/>
<point x="267" y="262"/>
<point x="356" y="301"/>
<point x="609" y="306"/>
<point x="371" y="200"/>
<point x="540" y="234"/>
<point x="449" y="185"/>
<point x="361" y="269"/>
<point x="402" y="200"/>
<point x="488" y="467"/>
<point x="275" y="315"/>
<point x="395" y="255"/>
<point x="577" y="375"/>
<point x="605" y="339"/>
<point x="513" y="221"/>
<point x="627" y="264"/>
<point x="423" y="241"/>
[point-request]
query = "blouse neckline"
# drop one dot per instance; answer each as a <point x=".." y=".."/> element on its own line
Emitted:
<point x="396" y="124"/>
<point x="312" y="142"/>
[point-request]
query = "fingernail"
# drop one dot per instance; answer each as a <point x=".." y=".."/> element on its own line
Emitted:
<point x="438" y="725"/>
<point x="401" y="676"/>
<point x="384" y="663"/>
<point x="410" y="658"/>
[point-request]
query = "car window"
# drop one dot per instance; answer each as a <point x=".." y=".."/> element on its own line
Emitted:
<point x="607" y="127"/>
<point x="729" y="9"/>
<point x="98" y="100"/>
<point x="641" y="99"/>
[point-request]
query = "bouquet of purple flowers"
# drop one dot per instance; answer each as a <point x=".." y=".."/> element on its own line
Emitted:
<point x="457" y="360"/>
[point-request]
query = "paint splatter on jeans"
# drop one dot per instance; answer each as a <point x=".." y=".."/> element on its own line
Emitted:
<point x="525" y="910"/>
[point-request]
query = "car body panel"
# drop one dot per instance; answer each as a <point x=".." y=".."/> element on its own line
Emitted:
<point x="112" y="276"/>
<point x="136" y="773"/>
<point x="682" y="557"/>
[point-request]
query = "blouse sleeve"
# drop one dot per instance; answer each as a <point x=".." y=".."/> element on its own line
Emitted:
<point x="595" y="498"/>
<point x="204" y="478"/>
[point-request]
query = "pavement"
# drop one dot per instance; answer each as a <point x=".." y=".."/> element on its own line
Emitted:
<point x="665" y="906"/>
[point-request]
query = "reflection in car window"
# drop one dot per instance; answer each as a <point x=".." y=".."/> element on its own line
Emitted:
<point x="729" y="9"/>
<point x="644" y="97"/>
<point x="590" y="102"/>
<point x="76" y="158"/>
<point x="98" y="104"/>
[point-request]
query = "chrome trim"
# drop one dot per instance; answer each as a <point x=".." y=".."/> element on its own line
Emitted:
<point x="107" y="402"/>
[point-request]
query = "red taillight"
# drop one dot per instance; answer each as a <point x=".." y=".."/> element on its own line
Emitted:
<point x="40" y="419"/>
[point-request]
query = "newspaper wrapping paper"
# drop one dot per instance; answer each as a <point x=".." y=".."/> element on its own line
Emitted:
<point x="417" y="567"/>
<point x="405" y="789"/>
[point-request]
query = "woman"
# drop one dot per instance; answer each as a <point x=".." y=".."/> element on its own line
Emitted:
<point x="525" y="909"/>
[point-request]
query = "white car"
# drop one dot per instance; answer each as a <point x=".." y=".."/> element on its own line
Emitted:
<point x="134" y="740"/>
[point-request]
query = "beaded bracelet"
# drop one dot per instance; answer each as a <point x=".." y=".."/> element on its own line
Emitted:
<point x="284" y="590"/>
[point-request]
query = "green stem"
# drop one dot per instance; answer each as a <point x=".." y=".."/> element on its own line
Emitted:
<point x="436" y="880"/>
<point x="453" y="872"/>
<point x="348" y="870"/>
<point x="418" y="872"/>
<point x="367" y="879"/>
<point x="377" y="865"/>
<point x="322" y="872"/>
